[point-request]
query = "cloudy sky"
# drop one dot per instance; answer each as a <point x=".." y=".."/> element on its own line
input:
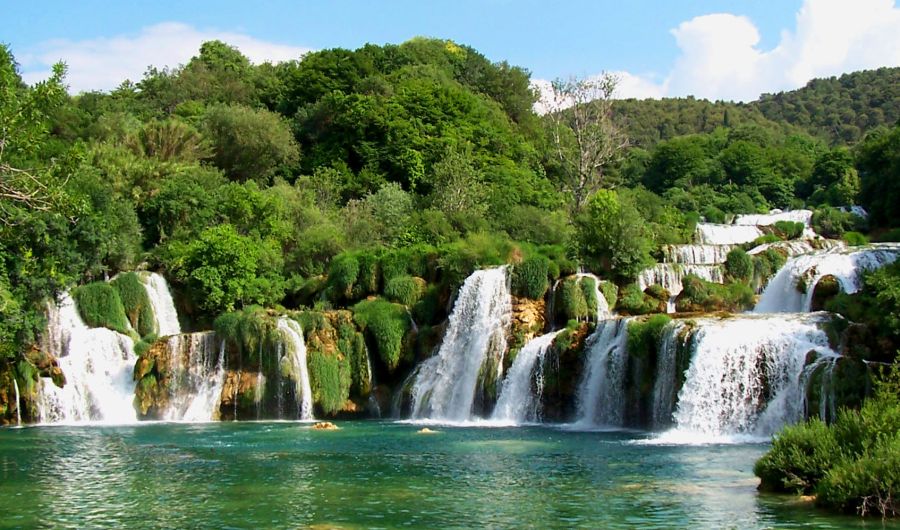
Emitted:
<point x="712" y="49"/>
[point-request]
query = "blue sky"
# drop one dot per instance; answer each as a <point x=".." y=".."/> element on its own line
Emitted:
<point x="660" y="47"/>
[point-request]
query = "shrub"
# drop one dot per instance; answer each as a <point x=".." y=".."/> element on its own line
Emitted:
<point x="739" y="265"/>
<point x="387" y="324"/>
<point x="135" y="302"/>
<point x="342" y="275"/>
<point x="832" y="223"/>
<point x="855" y="239"/>
<point x="700" y="295"/>
<point x="100" y="306"/>
<point x="610" y="292"/>
<point x="765" y="239"/>
<point x="789" y="229"/>
<point x="529" y="278"/>
<point x="570" y="301"/>
<point x="405" y="290"/>
<point x="766" y="264"/>
<point x="329" y="379"/>
<point x="799" y="458"/>
<point x="633" y="301"/>
<point x="868" y="484"/>
<point x="367" y="275"/>
<point x="589" y="291"/>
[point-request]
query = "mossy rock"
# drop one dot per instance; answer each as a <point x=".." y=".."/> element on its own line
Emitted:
<point x="99" y="305"/>
<point x="826" y="289"/>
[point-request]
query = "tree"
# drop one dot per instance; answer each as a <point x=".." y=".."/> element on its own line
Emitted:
<point x="249" y="143"/>
<point x="24" y="125"/>
<point x="612" y="236"/>
<point x="879" y="165"/>
<point x="586" y="138"/>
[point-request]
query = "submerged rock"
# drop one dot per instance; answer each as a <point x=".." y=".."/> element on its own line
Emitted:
<point x="325" y="426"/>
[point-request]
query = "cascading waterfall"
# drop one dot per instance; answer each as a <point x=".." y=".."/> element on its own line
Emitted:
<point x="98" y="364"/>
<point x="769" y="219"/>
<point x="745" y="375"/>
<point x="162" y="304"/>
<point x="601" y="395"/>
<point x="520" y="395"/>
<point x="719" y="234"/>
<point x="602" y="305"/>
<point x="18" y="402"/>
<point x="670" y="276"/>
<point x="783" y="294"/>
<point x="696" y="254"/>
<point x="827" y="403"/>
<point x="446" y="383"/>
<point x="294" y="354"/>
<point x="795" y="247"/>
<point x="198" y="375"/>
<point x="666" y="375"/>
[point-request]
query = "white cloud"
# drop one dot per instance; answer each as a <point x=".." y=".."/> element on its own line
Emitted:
<point x="720" y="56"/>
<point x="103" y="63"/>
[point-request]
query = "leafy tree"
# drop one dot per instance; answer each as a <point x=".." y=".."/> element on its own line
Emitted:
<point x="879" y="165"/>
<point x="612" y="236"/>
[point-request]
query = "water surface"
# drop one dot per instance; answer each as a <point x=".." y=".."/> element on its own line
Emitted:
<point x="380" y="475"/>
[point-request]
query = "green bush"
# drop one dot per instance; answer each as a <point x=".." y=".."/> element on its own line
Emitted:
<point x="610" y="292"/>
<point x="832" y="223"/>
<point x="135" y="302"/>
<point x="330" y="380"/>
<point x="789" y="229"/>
<point x="589" y="290"/>
<point x="644" y="336"/>
<point x="570" y="301"/>
<point x="529" y="278"/>
<point x="700" y="295"/>
<point x="855" y="239"/>
<point x="405" y="290"/>
<point x="100" y="306"/>
<point x="352" y="344"/>
<point x="739" y="265"/>
<point x="342" y="275"/>
<point x="633" y="301"/>
<point x="387" y="324"/>
<point x="249" y="329"/>
<point x="765" y="239"/>
<point x="367" y="276"/>
<point x="799" y="458"/>
<point x="766" y="264"/>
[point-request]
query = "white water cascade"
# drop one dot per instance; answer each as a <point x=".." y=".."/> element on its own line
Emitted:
<point x="670" y="276"/>
<point x="198" y="375"/>
<point x="518" y="403"/>
<point x="696" y="254"/>
<point x="98" y="364"/>
<point x="769" y="219"/>
<point x="791" y="289"/>
<point x="796" y="247"/>
<point x="163" y="306"/>
<point x="445" y="386"/>
<point x="719" y="234"/>
<point x="745" y="376"/>
<point x="294" y="354"/>
<point x="18" y="402"/>
<point x="666" y="366"/>
<point x="603" y="311"/>
<point x="601" y="394"/>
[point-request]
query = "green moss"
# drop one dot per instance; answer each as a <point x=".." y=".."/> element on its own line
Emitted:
<point x="644" y="336"/>
<point x="136" y="302"/>
<point x="789" y="229"/>
<point x="100" y="306"/>
<point x="589" y="291"/>
<point x="739" y="265"/>
<point x="387" y="324"/>
<point x="610" y="292"/>
<point x="633" y="301"/>
<point x="700" y="295"/>
<point x="855" y="239"/>
<point x="330" y="380"/>
<point x="405" y="290"/>
<point x="352" y="346"/>
<point x="342" y="274"/>
<point x="367" y="276"/>
<point x="529" y="278"/>
<point x="570" y="300"/>
<point x="251" y="331"/>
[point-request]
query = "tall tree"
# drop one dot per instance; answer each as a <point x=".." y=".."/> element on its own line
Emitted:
<point x="586" y="138"/>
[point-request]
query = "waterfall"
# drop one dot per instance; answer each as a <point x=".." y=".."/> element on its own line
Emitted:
<point x="517" y="402"/>
<point x="163" y="306"/>
<point x="602" y="305"/>
<point x="670" y="276"/>
<point x="718" y="234"/>
<point x="745" y="375"/>
<point x="796" y="247"/>
<point x="696" y="254"/>
<point x="197" y="363"/>
<point x="446" y="383"/>
<point x="98" y="364"/>
<point x="601" y="395"/>
<point x="827" y="405"/>
<point x="769" y="219"/>
<point x="372" y="403"/>
<point x="783" y="293"/>
<point x="18" y="402"/>
<point x="295" y="356"/>
<point x="666" y="375"/>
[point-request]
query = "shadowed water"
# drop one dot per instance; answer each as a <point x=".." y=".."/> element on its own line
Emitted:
<point x="379" y="475"/>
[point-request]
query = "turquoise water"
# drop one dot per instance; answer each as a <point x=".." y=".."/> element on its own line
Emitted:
<point x="379" y="475"/>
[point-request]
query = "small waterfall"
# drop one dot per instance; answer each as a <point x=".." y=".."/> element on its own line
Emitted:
<point x="745" y="376"/>
<point x="795" y="247"/>
<point x="769" y="219"/>
<point x="446" y="383"/>
<point x="827" y="405"/>
<point x="670" y="276"/>
<point x="696" y="254"/>
<point x="372" y="404"/>
<point x="98" y="364"/>
<point x="18" y="402"/>
<point x="163" y="306"/>
<point x="666" y="375"/>
<point x="295" y="355"/>
<point x="783" y="293"/>
<point x="603" y="311"/>
<point x="718" y="234"/>
<point x="198" y="375"/>
<point x="601" y="396"/>
<point x="517" y="402"/>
